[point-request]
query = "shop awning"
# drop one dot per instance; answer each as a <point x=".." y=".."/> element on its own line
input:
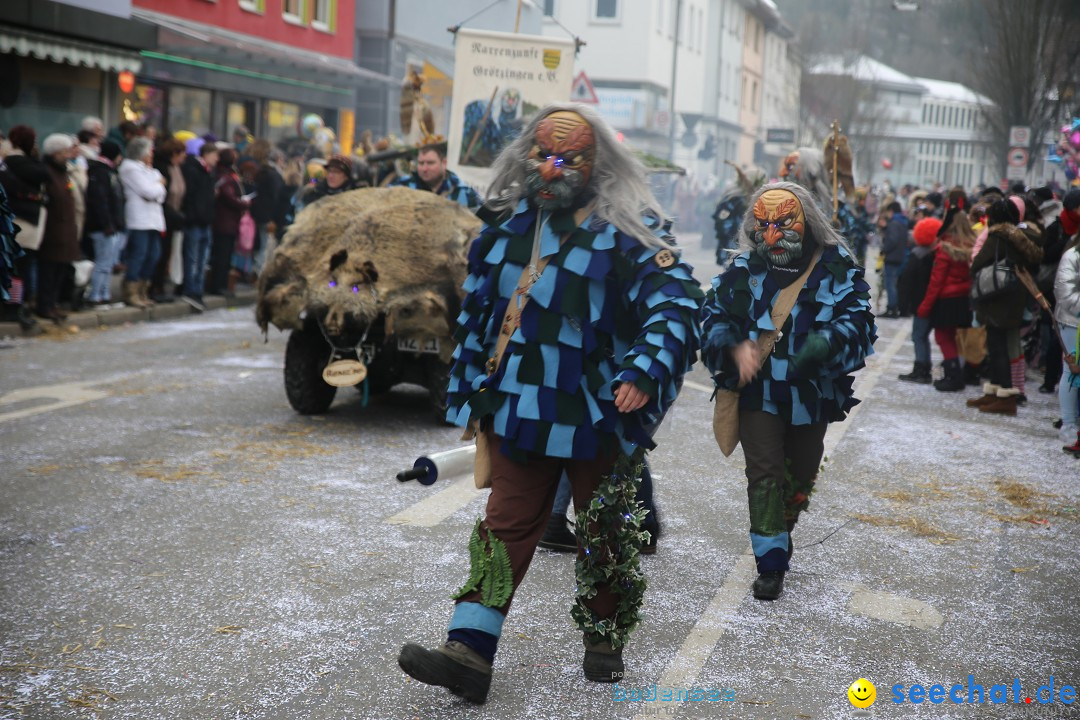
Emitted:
<point x="180" y="39"/>
<point x="27" y="43"/>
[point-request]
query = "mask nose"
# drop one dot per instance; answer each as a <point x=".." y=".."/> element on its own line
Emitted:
<point x="549" y="170"/>
<point x="772" y="235"/>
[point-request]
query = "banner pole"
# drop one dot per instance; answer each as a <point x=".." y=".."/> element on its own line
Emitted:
<point x="517" y="20"/>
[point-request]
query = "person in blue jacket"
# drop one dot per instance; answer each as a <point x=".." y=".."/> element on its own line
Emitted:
<point x="432" y="176"/>
<point x="599" y="320"/>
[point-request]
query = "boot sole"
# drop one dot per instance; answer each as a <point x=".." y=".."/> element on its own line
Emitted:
<point x="433" y="668"/>
<point x="600" y="670"/>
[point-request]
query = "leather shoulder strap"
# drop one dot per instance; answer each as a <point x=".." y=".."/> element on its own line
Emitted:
<point x="785" y="303"/>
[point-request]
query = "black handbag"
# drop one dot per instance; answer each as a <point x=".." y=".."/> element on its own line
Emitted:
<point x="995" y="279"/>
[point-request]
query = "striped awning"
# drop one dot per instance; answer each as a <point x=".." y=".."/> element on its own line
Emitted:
<point x="27" y="43"/>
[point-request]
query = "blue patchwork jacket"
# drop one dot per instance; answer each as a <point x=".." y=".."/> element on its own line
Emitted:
<point x="605" y="310"/>
<point x="452" y="188"/>
<point x="835" y="303"/>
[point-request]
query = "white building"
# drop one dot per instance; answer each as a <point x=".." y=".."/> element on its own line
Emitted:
<point x="952" y="148"/>
<point x="628" y="57"/>
<point x="780" y="99"/>
<point x="727" y="22"/>
<point x="903" y="129"/>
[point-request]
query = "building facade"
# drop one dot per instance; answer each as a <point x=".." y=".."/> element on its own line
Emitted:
<point x="264" y="64"/>
<point x="753" y="71"/>
<point x="902" y="129"/>
<point x="727" y="22"/>
<point x="59" y="61"/>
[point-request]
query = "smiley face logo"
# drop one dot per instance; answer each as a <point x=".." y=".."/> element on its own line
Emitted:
<point x="862" y="693"/>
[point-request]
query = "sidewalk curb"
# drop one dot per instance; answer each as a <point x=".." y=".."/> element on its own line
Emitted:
<point x="88" y="319"/>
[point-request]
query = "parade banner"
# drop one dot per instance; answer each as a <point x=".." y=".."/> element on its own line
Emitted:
<point x="500" y="81"/>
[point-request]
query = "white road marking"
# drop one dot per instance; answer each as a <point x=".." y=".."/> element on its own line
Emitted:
<point x="687" y="664"/>
<point x="699" y="644"/>
<point x="878" y="605"/>
<point x="63" y="395"/>
<point x="433" y="509"/>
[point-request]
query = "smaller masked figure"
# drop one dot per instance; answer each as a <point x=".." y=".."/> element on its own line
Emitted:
<point x="790" y="391"/>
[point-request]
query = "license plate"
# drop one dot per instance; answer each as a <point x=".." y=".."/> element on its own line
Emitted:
<point x="427" y="345"/>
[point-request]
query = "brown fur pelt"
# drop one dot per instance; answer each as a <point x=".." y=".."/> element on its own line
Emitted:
<point x="354" y="256"/>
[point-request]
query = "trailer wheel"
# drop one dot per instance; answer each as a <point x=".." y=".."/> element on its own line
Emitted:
<point x="305" y="358"/>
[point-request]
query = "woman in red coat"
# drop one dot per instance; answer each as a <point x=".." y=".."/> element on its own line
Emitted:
<point x="946" y="302"/>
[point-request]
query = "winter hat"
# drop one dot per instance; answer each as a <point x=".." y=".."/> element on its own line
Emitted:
<point x="1042" y="194"/>
<point x="110" y="150"/>
<point x="1071" y="201"/>
<point x="193" y="145"/>
<point x="926" y="231"/>
<point x="935" y="198"/>
<point x="341" y="162"/>
<point x="57" y="143"/>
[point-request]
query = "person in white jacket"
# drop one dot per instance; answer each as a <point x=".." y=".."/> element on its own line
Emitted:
<point x="1067" y="312"/>
<point x="144" y="195"/>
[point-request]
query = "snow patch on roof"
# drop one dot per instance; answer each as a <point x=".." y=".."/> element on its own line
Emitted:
<point x="945" y="90"/>
<point x="862" y="68"/>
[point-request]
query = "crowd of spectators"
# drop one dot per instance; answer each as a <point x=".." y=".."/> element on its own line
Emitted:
<point x="995" y="275"/>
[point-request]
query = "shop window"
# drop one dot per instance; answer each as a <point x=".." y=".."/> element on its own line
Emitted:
<point x="282" y="119"/>
<point x="293" y="12"/>
<point x="145" y="106"/>
<point x="324" y="15"/>
<point x="53" y="97"/>
<point x="189" y="109"/>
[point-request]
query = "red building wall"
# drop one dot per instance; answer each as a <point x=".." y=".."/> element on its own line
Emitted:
<point x="269" y="24"/>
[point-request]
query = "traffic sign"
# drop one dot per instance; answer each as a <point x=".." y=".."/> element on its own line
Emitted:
<point x="1019" y="136"/>
<point x="1018" y="157"/>
<point x="582" y="90"/>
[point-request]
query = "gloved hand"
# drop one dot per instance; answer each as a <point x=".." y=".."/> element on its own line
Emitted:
<point x="812" y="356"/>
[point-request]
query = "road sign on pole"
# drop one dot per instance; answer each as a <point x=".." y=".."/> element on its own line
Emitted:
<point x="582" y="90"/>
<point x="1018" y="157"/>
<point x="1019" y="136"/>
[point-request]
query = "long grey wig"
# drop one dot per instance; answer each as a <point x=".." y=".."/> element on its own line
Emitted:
<point x="618" y="179"/>
<point x="817" y="223"/>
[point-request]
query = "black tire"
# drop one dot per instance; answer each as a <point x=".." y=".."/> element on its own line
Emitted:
<point x="438" y="380"/>
<point x="305" y="357"/>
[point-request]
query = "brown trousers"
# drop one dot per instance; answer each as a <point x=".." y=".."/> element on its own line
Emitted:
<point x="520" y="503"/>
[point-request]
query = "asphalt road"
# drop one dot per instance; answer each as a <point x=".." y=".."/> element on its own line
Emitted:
<point x="176" y="542"/>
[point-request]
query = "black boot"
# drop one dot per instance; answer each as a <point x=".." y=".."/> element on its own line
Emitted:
<point x="769" y="585"/>
<point x="971" y="375"/>
<point x="602" y="663"/>
<point x="454" y="666"/>
<point x="557" y="536"/>
<point x="954" y="377"/>
<point x="920" y="374"/>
